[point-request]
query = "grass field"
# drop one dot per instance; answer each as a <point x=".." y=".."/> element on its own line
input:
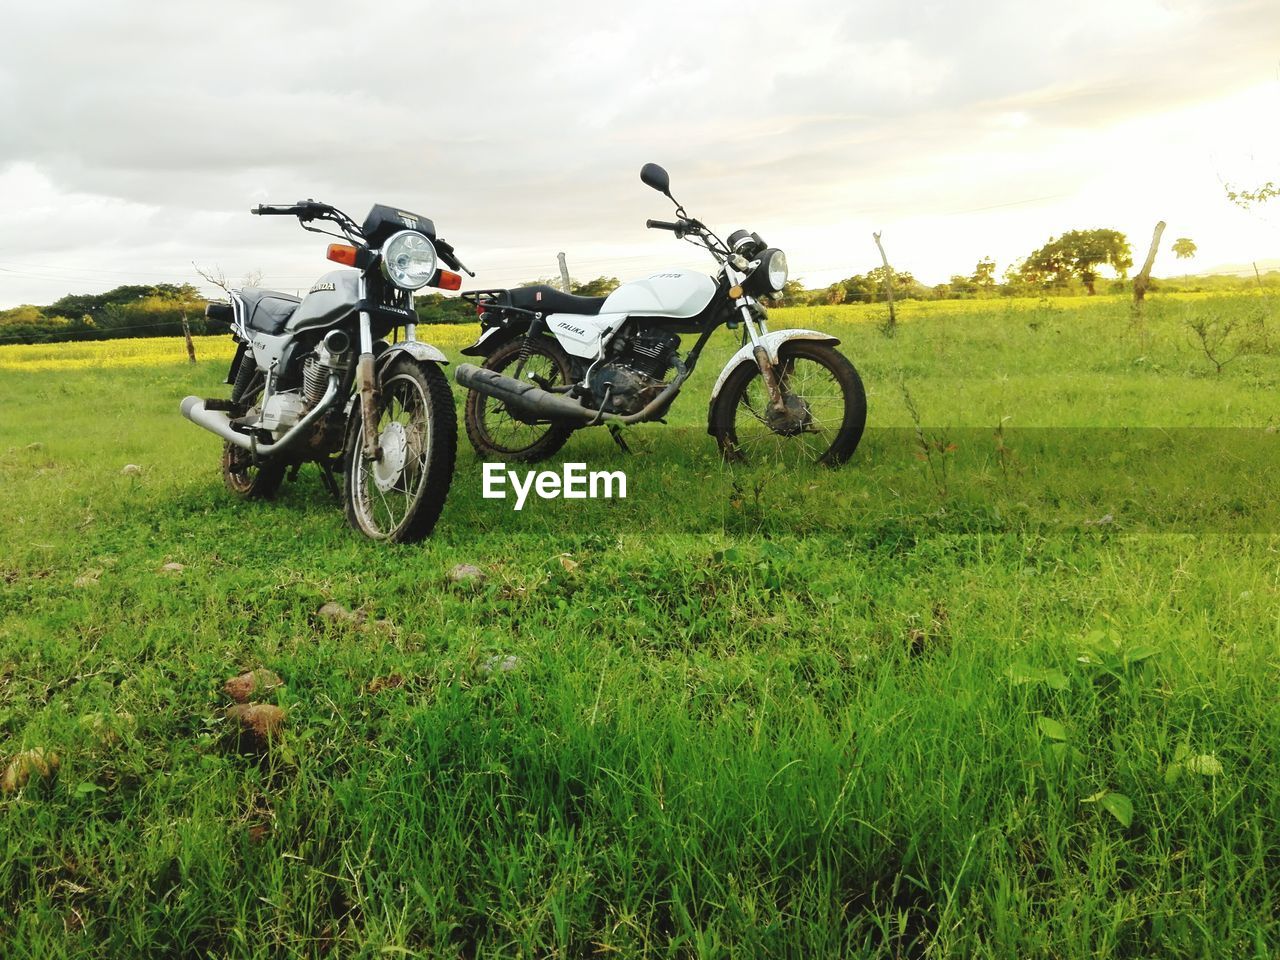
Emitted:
<point x="1004" y="686"/>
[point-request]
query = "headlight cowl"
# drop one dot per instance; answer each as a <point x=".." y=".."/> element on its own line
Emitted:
<point x="409" y="260"/>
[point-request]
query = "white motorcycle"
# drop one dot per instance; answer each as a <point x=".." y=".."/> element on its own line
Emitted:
<point x="554" y="362"/>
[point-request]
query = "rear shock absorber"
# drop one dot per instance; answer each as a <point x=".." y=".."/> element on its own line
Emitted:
<point x="245" y="373"/>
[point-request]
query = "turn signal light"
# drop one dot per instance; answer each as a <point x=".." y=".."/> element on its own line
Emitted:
<point x="449" y="281"/>
<point x="342" y="253"/>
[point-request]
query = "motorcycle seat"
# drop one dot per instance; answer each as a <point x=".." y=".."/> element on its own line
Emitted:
<point x="268" y="310"/>
<point x="546" y="299"/>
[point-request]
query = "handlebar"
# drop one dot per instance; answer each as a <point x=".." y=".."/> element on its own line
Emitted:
<point x="306" y="209"/>
<point x="681" y="226"/>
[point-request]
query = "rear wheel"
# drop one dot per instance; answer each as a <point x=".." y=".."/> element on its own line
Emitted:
<point x="244" y="478"/>
<point x="247" y="480"/>
<point x="399" y="496"/>
<point x="497" y="433"/>
<point x="826" y="409"/>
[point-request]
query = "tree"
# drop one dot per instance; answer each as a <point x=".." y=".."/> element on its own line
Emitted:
<point x="1079" y="253"/>
<point x="1184" y="248"/>
<point x="1247" y="198"/>
<point x="599" y="287"/>
<point x="984" y="274"/>
<point x="794" y="294"/>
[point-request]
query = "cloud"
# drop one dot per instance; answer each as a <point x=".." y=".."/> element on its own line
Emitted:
<point x="519" y="128"/>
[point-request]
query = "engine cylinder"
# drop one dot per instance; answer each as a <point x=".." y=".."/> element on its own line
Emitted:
<point x="314" y="380"/>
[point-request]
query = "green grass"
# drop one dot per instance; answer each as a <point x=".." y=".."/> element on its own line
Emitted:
<point x="902" y="709"/>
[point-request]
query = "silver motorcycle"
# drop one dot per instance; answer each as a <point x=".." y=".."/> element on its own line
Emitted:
<point x="323" y="379"/>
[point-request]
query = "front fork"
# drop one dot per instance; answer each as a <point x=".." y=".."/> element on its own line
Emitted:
<point x="367" y="375"/>
<point x="756" y="327"/>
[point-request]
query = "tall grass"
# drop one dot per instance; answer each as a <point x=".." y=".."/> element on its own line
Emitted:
<point x="751" y="713"/>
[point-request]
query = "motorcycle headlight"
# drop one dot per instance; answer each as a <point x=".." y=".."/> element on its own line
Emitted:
<point x="770" y="276"/>
<point x="774" y="264"/>
<point x="408" y="260"/>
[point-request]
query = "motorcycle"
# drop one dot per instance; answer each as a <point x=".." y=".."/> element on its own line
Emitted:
<point x="554" y="363"/>
<point x="314" y="379"/>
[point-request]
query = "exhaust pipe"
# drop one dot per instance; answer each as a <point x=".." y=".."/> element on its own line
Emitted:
<point x="217" y="421"/>
<point x="527" y="398"/>
<point x="533" y="401"/>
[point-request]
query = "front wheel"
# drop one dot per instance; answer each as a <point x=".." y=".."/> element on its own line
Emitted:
<point x="399" y="496"/>
<point x="825" y="409"/>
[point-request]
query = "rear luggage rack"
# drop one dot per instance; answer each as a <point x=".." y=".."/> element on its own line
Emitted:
<point x="496" y="302"/>
<point x="497" y="298"/>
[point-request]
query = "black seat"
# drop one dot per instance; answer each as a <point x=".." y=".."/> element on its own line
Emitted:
<point x="268" y="310"/>
<point x="545" y="299"/>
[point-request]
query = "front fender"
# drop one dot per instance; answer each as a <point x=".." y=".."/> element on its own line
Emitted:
<point x="423" y="352"/>
<point x="771" y="342"/>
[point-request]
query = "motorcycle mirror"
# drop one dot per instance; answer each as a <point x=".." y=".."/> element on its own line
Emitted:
<point x="652" y="175"/>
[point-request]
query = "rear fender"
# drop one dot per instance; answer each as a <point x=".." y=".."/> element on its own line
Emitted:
<point x="771" y="342"/>
<point x="490" y="339"/>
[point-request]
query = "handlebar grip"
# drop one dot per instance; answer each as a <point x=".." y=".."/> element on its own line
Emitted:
<point x="303" y="208"/>
<point x="664" y="225"/>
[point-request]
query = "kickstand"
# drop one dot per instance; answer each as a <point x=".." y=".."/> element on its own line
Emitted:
<point x="326" y="474"/>
<point x="618" y="438"/>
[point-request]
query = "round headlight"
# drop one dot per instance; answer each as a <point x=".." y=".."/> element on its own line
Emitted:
<point x="408" y="260"/>
<point x="774" y="263"/>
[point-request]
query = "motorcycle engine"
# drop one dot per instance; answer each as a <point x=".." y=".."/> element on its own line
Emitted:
<point x="635" y="373"/>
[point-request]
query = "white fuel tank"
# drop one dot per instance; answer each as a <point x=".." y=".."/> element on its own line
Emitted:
<point x="671" y="293"/>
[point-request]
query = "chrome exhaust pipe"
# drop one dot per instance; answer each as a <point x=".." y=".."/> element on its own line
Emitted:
<point x="217" y="421"/>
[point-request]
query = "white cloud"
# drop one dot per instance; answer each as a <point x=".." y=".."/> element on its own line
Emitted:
<point x="134" y="136"/>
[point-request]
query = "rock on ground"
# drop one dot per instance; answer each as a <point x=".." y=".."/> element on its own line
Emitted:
<point x="262" y="722"/>
<point x="340" y="614"/>
<point x="36" y="762"/>
<point x="500" y="664"/>
<point x="244" y="687"/>
<point x="467" y="573"/>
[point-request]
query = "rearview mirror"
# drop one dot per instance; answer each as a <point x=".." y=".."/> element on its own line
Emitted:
<point x="654" y="176"/>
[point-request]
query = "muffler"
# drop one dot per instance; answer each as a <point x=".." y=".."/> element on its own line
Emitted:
<point x="196" y="410"/>
<point x="522" y="396"/>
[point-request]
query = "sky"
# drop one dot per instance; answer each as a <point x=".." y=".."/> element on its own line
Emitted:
<point x="135" y="136"/>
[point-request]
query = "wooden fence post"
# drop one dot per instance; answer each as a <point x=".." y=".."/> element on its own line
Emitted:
<point x="1143" y="278"/>
<point x="888" y="285"/>
<point x="186" y="333"/>
<point x="564" y="272"/>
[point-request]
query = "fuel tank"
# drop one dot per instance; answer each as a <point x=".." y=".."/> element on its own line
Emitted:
<point x="679" y="294"/>
<point x="330" y="299"/>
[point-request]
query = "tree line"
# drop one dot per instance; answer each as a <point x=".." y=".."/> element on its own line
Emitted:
<point x="1066" y="265"/>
